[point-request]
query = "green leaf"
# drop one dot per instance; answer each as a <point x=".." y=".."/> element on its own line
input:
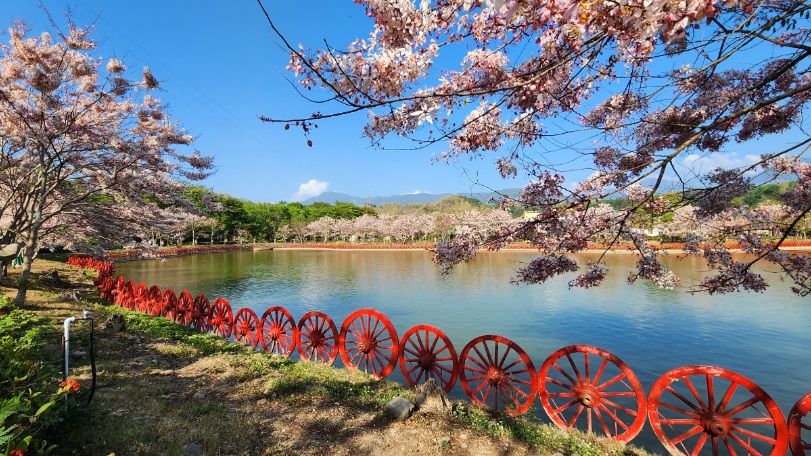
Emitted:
<point x="44" y="407"/>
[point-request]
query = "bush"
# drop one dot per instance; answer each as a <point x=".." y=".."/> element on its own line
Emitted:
<point x="29" y="387"/>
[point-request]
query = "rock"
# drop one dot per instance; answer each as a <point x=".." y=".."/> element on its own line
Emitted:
<point x="199" y="396"/>
<point x="78" y="354"/>
<point x="262" y="402"/>
<point x="116" y="323"/>
<point x="400" y="408"/>
<point x="431" y="398"/>
<point x="193" y="449"/>
<point x="445" y="442"/>
<point x="463" y="445"/>
<point x="68" y="295"/>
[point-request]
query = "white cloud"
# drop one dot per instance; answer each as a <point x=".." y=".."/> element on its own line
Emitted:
<point x="309" y="189"/>
<point x="706" y="163"/>
<point x="418" y="192"/>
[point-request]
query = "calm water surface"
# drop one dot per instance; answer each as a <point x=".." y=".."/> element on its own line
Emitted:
<point x="762" y="336"/>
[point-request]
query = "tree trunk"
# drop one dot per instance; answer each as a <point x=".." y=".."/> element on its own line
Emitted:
<point x="25" y="274"/>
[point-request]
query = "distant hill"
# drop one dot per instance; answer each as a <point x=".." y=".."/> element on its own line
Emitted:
<point x="411" y="198"/>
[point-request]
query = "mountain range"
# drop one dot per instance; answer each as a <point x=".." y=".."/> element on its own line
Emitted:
<point x="410" y="198"/>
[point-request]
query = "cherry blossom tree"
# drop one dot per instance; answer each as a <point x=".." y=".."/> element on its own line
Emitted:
<point x="88" y="156"/>
<point x="641" y="93"/>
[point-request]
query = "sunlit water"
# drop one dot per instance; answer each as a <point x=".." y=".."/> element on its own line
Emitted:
<point x="765" y="337"/>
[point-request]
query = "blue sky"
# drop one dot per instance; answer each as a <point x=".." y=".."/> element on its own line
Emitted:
<point x="220" y="69"/>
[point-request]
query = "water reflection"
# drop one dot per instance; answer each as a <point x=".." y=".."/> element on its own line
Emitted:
<point x="762" y="336"/>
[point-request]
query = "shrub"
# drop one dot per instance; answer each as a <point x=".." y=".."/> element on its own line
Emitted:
<point x="29" y="387"/>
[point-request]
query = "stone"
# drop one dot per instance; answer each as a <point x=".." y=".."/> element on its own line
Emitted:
<point x="445" y="442"/>
<point x="463" y="445"/>
<point x="431" y="398"/>
<point x="68" y="295"/>
<point x="399" y="408"/>
<point x="193" y="449"/>
<point x="261" y="402"/>
<point x="199" y="396"/>
<point x="116" y="323"/>
<point x="79" y="354"/>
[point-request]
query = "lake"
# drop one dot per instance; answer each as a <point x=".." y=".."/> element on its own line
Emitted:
<point x="764" y="337"/>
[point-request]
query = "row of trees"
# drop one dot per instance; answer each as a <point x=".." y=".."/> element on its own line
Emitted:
<point x="405" y="228"/>
<point x="222" y="219"/>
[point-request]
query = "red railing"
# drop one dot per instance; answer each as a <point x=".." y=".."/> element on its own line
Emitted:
<point x="690" y="408"/>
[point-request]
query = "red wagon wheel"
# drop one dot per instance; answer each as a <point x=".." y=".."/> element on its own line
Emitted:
<point x="582" y="378"/>
<point x="199" y="313"/>
<point x="426" y="352"/>
<point x="278" y="331"/>
<point x="495" y="370"/>
<point x="317" y="338"/>
<point x="168" y="302"/>
<point x="246" y="327"/>
<point x="796" y="441"/>
<point x="118" y="286"/>
<point x="183" y="308"/>
<point x="140" y="297"/>
<point x="128" y="295"/>
<point x="368" y="341"/>
<point x="705" y="407"/>
<point x="153" y="301"/>
<point x="220" y="318"/>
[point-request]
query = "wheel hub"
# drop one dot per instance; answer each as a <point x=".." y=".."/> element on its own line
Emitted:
<point x="494" y="376"/>
<point x="315" y="339"/>
<point x="588" y="395"/>
<point x="714" y="423"/>
<point x="426" y="360"/>
<point x="365" y="345"/>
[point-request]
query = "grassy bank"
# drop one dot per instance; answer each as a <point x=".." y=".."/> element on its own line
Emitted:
<point x="165" y="389"/>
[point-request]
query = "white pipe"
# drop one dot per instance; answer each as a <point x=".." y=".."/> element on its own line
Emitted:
<point x="68" y="321"/>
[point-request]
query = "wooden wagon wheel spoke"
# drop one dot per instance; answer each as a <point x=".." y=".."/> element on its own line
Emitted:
<point x="368" y="340"/>
<point x="745" y="421"/>
<point x="609" y="400"/>
<point x="278" y="331"/>
<point x="496" y="372"/>
<point x="316" y="338"/>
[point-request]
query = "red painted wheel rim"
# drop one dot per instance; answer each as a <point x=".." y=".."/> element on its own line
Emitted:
<point x="140" y="297"/>
<point x="153" y="301"/>
<point x="199" y="313"/>
<point x="317" y="338"/>
<point x="368" y="341"/>
<point x="183" y="308"/>
<point x="800" y="446"/>
<point x="246" y="327"/>
<point x="168" y="303"/>
<point x="220" y="318"/>
<point x="426" y="352"/>
<point x="716" y="411"/>
<point x="591" y="389"/>
<point x="278" y="331"/>
<point x="496" y="372"/>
